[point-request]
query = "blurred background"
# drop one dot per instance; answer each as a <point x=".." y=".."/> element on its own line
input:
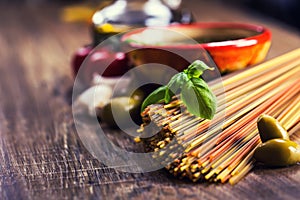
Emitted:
<point x="285" y="11"/>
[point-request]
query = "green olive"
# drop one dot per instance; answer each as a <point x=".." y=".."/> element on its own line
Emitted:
<point x="120" y="112"/>
<point x="138" y="95"/>
<point x="278" y="152"/>
<point x="269" y="128"/>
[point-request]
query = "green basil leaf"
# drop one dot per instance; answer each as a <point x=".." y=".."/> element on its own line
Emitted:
<point x="174" y="85"/>
<point x="197" y="68"/>
<point x="168" y="95"/>
<point x="156" y="96"/>
<point x="198" y="98"/>
<point x="177" y="81"/>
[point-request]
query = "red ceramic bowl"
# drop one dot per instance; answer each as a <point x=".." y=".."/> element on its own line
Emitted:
<point x="232" y="46"/>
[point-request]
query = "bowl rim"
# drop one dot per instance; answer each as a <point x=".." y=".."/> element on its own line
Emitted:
<point x="263" y="36"/>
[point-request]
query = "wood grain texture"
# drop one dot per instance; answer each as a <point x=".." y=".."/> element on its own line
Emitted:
<point x="41" y="155"/>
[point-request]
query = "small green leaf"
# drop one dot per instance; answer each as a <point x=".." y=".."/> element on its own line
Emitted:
<point x="168" y="95"/>
<point x="177" y="81"/>
<point x="174" y="85"/>
<point x="197" y="68"/>
<point x="198" y="98"/>
<point x="156" y="96"/>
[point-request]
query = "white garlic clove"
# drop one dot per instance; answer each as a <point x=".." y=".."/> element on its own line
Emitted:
<point x="118" y="84"/>
<point x="95" y="97"/>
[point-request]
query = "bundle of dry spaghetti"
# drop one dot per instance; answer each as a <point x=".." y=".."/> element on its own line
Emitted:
<point x="221" y="149"/>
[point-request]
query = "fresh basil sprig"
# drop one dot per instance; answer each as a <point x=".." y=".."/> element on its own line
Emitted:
<point x="194" y="91"/>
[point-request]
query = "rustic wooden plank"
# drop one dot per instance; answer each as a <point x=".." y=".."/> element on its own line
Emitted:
<point x="40" y="154"/>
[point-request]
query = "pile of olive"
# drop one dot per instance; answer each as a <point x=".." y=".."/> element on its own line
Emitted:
<point x="276" y="148"/>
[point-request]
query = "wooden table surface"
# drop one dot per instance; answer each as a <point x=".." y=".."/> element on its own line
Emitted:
<point x="40" y="154"/>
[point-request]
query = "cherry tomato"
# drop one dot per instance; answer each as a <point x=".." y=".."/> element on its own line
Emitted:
<point x="100" y="61"/>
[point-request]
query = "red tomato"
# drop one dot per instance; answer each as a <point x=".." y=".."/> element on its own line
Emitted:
<point x="101" y="61"/>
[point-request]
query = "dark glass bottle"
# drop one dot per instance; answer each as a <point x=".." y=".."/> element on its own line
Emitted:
<point x="124" y="15"/>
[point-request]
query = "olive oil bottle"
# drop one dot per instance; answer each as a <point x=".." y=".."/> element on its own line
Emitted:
<point x="124" y="15"/>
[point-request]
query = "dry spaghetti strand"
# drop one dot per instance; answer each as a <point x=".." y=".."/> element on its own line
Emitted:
<point x="221" y="150"/>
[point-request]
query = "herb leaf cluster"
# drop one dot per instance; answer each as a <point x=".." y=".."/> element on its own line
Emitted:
<point x="194" y="91"/>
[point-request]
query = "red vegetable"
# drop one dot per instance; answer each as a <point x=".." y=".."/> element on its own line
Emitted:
<point x="100" y="61"/>
<point x="79" y="57"/>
